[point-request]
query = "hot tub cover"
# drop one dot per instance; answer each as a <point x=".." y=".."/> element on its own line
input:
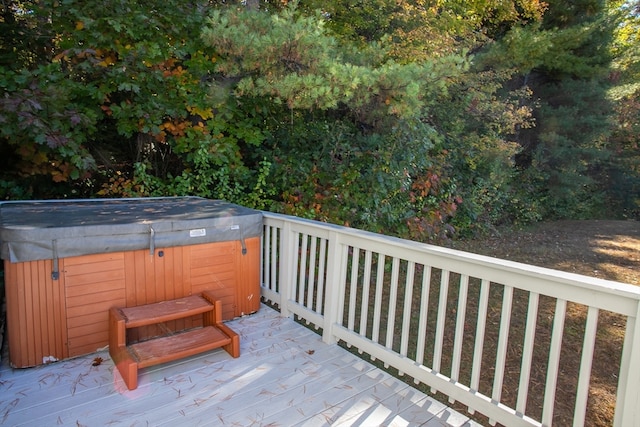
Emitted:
<point x="52" y="229"/>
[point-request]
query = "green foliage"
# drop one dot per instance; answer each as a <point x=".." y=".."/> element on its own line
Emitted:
<point x="290" y="59"/>
<point x="125" y="83"/>
<point x="566" y="161"/>
<point x="621" y="174"/>
<point x="336" y="174"/>
<point x="43" y="127"/>
<point x="556" y="50"/>
<point x="353" y="143"/>
<point x="480" y="124"/>
<point x="372" y="114"/>
<point x="360" y="21"/>
<point x="626" y="49"/>
<point x="417" y="30"/>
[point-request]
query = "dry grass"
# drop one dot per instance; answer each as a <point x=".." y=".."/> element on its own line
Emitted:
<point x="604" y="249"/>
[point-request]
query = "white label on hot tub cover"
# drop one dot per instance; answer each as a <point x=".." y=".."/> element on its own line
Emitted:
<point x="235" y="227"/>
<point x="198" y="232"/>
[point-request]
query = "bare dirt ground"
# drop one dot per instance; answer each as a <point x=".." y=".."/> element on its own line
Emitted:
<point x="604" y="249"/>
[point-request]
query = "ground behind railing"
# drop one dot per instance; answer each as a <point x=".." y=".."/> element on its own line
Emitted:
<point x="514" y="342"/>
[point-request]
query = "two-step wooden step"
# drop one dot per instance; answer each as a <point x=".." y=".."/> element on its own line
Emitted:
<point x="128" y="358"/>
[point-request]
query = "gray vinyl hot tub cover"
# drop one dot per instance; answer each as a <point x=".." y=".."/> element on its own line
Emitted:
<point x="52" y="229"/>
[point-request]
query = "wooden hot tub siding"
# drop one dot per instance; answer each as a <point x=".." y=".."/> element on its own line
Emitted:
<point x="56" y="319"/>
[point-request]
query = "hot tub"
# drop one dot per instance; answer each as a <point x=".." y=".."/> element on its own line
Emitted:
<point x="68" y="261"/>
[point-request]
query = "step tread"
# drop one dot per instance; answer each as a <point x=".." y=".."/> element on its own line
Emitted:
<point x="177" y="346"/>
<point x="163" y="311"/>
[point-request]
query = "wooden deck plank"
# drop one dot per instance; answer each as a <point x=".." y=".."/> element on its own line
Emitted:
<point x="225" y="396"/>
<point x="218" y="381"/>
<point x="285" y="375"/>
<point x="75" y="383"/>
<point x="285" y="392"/>
<point x="340" y="406"/>
<point x="314" y="405"/>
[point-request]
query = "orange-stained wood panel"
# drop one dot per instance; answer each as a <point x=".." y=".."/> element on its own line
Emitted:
<point x="139" y="279"/>
<point x="36" y="322"/>
<point x="212" y="268"/>
<point x="92" y="287"/>
<point x="166" y="281"/>
<point x="68" y="317"/>
<point x="247" y="291"/>
<point x="154" y="277"/>
<point x="90" y="347"/>
<point x="82" y="290"/>
<point x="93" y="303"/>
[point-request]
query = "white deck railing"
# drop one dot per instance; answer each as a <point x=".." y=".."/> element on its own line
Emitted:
<point x="448" y="318"/>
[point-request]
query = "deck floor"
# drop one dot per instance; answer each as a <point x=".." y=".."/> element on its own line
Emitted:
<point x="285" y="376"/>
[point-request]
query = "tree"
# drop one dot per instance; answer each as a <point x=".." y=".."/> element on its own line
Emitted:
<point x="408" y="117"/>
<point x="623" y="170"/>
<point x="216" y="116"/>
<point x="565" y="61"/>
<point x="352" y="139"/>
<point x="476" y="119"/>
<point x="114" y="100"/>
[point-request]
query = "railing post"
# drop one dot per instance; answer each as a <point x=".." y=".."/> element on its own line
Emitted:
<point x="628" y="404"/>
<point x="334" y="287"/>
<point x="287" y="267"/>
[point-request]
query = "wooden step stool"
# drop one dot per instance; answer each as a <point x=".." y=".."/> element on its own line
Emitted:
<point x="129" y="358"/>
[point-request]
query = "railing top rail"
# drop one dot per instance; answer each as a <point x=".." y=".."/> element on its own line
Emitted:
<point x="605" y="294"/>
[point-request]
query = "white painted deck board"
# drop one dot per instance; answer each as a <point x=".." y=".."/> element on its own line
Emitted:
<point x="285" y="376"/>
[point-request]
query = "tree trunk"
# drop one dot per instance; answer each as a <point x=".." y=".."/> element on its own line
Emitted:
<point x="253" y="4"/>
